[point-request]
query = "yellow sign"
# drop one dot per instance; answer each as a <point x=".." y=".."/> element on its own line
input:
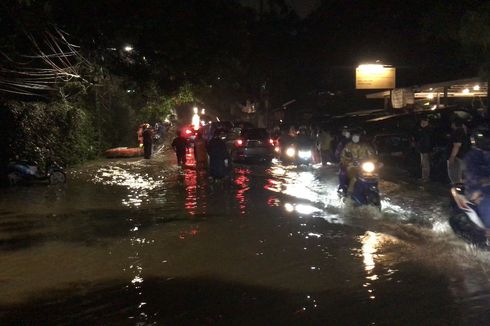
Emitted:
<point x="375" y="77"/>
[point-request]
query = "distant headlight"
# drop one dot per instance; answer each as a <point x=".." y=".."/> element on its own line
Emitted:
<point x="304" y="154"/>
<point x="368" y="167"/>
<point x="290" y="152"/>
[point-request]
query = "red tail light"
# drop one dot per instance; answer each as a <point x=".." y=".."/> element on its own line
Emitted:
<point x="239" y="142"/>
<point x="271" y="141"/>
<point x="188" y="131"/>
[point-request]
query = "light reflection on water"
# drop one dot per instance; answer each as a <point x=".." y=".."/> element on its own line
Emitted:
<point x="242" y="181"/>
<point x="138" y="184"/>
<point x="303" y="254"/>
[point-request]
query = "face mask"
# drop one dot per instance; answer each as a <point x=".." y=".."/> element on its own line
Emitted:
<point x="355" y="139"/>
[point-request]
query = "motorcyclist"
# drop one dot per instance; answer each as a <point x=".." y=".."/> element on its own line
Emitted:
<point x="344" y="140"/>
<point x="287" y="138"/>
<point x="477" y="177"/>
<point x="351" y="156"/>
<point x="302" y="140"/>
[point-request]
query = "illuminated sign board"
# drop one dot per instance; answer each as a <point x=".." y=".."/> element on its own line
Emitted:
<point x="375" y="77"/>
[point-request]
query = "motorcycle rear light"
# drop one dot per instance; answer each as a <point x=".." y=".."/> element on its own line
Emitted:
<point x="239" y="142"/>
<point x="271" y="141"/>
<point x="188" y="131"/>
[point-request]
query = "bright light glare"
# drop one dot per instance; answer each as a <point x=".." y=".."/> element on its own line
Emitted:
<point x="128" y="48"/>
<point x="304" y="154"/>
<point x="368" y="167"/>
<point x="289" y="207"/>
<point x="196" y="121"/>
<point x="277" y="149"/>
<point x="195" y="110"/>
<point x="306" y="209"/>
<point x="466" y="91"/>
<point x="430" y="96"/>
<point x="290" y="152"/>
<point x="371" y="68"/>
<point x="476" y="87"/>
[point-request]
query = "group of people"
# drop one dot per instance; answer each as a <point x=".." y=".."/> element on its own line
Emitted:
<point x="148" y="136"/>
<point x="348" y="150"/>
<point x="214" y="152"/>
<point x="468" y="161"/>
<point x="458" y="146"/>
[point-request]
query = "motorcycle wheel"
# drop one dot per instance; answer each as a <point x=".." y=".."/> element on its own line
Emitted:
<point x="57" y="177"/>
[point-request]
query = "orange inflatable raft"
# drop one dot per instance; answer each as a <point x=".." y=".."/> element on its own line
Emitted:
<point x="123" y="152"/>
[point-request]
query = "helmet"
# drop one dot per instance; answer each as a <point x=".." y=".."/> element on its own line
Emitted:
<point x="480" y="138"/>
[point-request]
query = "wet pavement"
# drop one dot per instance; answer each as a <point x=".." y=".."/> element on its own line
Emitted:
<point x="141" y="242"/>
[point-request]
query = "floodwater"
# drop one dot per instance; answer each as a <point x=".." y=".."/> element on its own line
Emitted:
<point x="142" y="242"/>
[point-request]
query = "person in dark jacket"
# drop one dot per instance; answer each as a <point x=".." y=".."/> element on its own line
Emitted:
<point x="219" y="159"/>
<point x="424" y="146"/>
<point x="200" y="154"/>
<point x="459" y="145"/>
<point x="179" y="144"/>
<point x="147" y="140"/>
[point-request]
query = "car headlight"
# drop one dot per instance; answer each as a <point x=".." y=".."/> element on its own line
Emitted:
<point x="368" y="167"/>
<point x="290" y="152"/>
<point x="304" y="154"/>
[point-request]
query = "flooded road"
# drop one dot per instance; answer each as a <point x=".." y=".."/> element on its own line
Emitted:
<point x="141" y="242"/>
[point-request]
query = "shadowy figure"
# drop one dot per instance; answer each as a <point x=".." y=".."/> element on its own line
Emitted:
<point x="200" y="153"/>
<point x="147" y="141"/>
<point x="219" y="158"/>
<point x="179" y="144"/>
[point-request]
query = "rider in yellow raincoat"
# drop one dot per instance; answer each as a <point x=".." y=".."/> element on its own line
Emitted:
<point x="352" y="155"/>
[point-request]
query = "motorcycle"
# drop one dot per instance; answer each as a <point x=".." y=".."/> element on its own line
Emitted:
<point x="366" y="191"/>
<point x="295" y="154"/>
<point x="465" y="220"/>
<point x="22" y="171"/>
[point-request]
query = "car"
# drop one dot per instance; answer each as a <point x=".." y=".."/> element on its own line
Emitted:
<point x="253" y="144"/>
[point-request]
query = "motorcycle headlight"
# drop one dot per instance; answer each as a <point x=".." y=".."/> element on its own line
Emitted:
<point x="368" y="167"/>
<point x="304" y="154"/>
<point x="290" y="152"/>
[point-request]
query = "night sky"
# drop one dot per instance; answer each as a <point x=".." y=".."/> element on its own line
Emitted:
<point x="293" y="47"/>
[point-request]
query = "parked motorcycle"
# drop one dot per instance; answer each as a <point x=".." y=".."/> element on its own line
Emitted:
<point x="366" y="191"/>
<point x="22" y="172"/>
<point x="465" y="219"/>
